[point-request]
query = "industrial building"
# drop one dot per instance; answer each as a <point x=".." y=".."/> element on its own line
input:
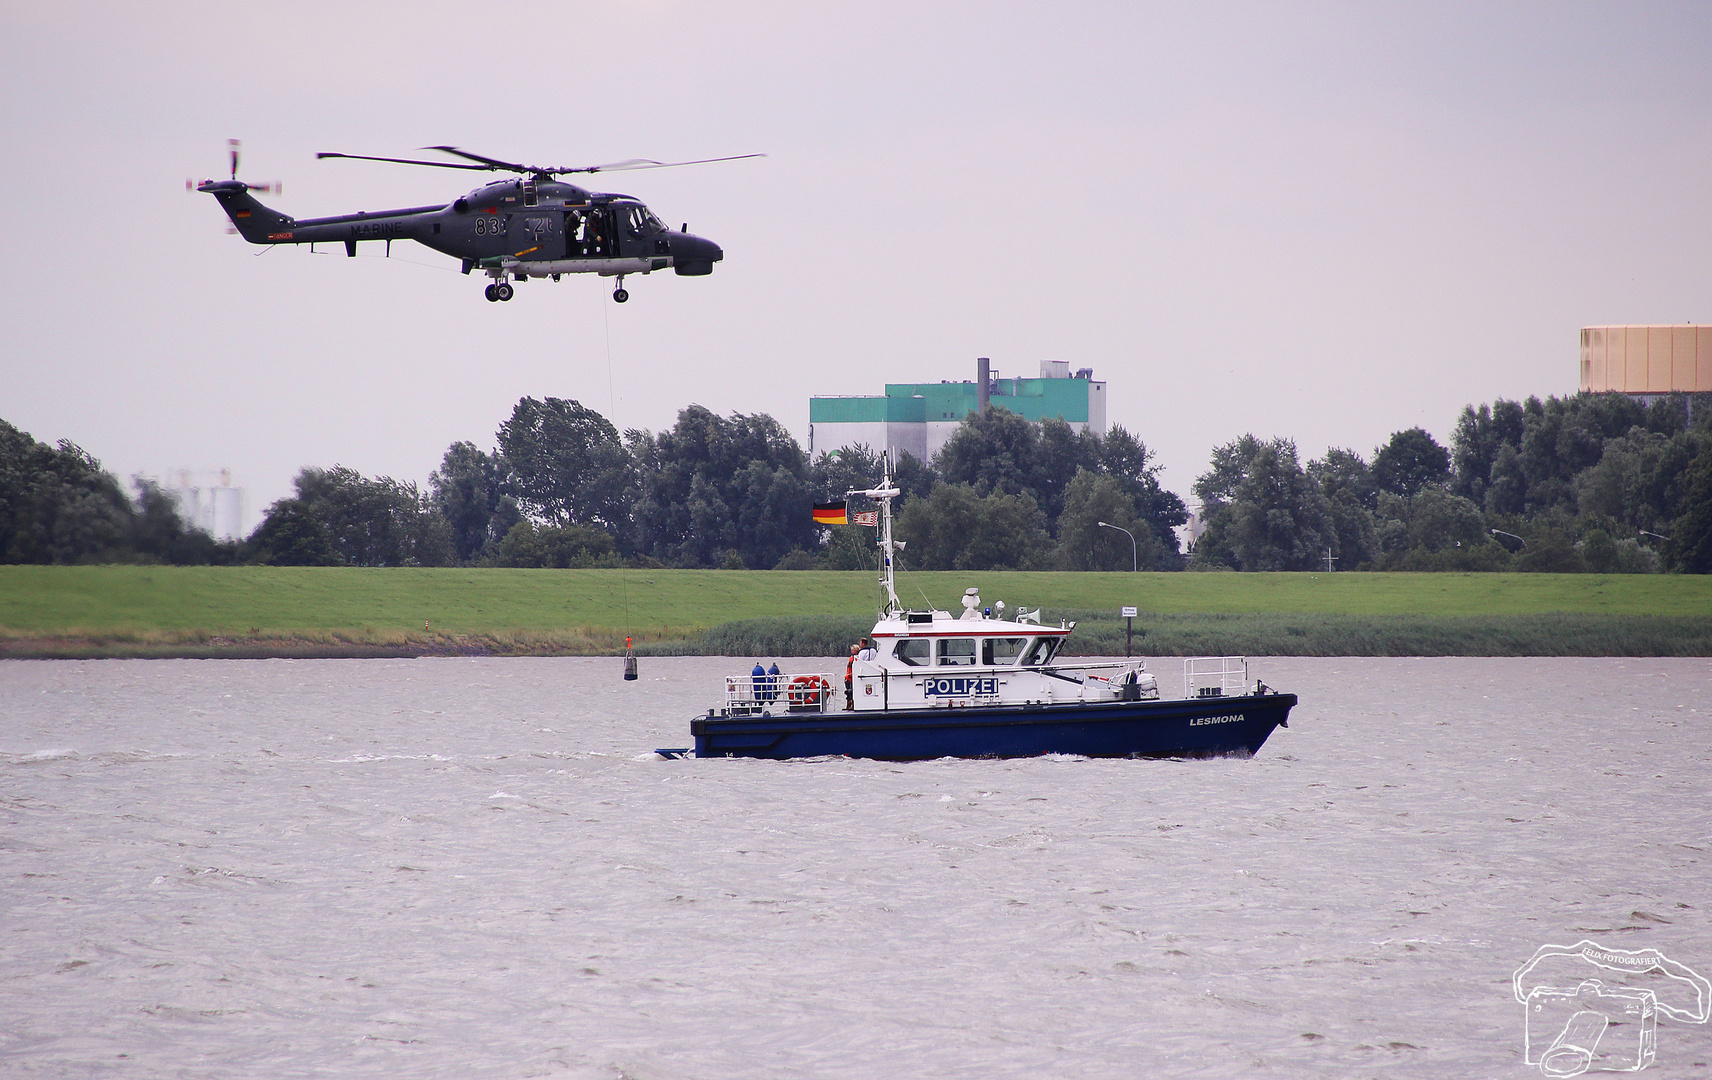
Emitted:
<point x="919" y="418"/>
<point x="1647" y="361"/>
<point x="209" y="502"/>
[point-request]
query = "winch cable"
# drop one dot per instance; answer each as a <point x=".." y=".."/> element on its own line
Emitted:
<point x="612" y="405"/>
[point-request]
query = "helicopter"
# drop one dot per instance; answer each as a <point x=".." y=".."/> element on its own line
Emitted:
<point x="531" y="225"/>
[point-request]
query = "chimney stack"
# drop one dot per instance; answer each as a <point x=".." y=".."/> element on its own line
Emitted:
<point x="982" y="369"/>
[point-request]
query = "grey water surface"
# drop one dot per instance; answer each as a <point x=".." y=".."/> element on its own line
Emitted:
<point x="477" y="868"/>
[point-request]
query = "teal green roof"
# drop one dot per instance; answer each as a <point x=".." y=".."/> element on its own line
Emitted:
<point x="904" y="403"/>
<point x="847" y="410"/>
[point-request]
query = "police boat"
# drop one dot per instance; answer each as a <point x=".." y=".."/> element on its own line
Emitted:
<point x="978" y="685"/>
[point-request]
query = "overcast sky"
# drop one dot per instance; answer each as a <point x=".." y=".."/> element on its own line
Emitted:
<point x="1325" y="221"/>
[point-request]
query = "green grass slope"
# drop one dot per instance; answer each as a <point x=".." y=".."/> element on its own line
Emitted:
<point x="154" y="610"/>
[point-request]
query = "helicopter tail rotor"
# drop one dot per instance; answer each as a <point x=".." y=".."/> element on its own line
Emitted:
<point x="234" y="151"/>
<point x="250" y="219"/>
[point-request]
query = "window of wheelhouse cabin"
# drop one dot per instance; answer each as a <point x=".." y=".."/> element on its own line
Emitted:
<point x="957" y="652"/>
<point x="916" y="652"/>
<point x="1043" y="651"/>
<point x="1001" y="651"/>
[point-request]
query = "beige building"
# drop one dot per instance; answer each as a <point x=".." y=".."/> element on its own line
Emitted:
<point x="1647" y="359"/>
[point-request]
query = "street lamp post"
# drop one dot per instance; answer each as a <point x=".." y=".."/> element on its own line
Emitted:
<point x="1133" y="566"/>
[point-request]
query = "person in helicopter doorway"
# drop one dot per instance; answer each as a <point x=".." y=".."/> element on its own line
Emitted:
<point x="773" y="681"/>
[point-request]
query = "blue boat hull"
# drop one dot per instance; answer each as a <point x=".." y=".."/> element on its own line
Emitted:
<point x="1196" y="727"/>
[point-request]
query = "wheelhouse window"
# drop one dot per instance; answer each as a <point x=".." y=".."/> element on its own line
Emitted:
<point x="1002" y="651"/>
<point x="1042" y="653"/>
<point x="956" y="652"/>
<point x="916" y="652"/>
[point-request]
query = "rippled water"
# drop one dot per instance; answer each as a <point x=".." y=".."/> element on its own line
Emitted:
<point x="475" y="868"/>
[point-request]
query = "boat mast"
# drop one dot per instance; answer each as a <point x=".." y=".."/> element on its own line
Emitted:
<point x="884" y="494"/>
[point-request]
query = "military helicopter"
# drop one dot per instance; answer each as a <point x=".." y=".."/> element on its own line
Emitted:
<point x="529" y="226"/>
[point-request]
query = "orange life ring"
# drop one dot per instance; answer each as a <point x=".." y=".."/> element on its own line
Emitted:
<point x="807" y="690"/>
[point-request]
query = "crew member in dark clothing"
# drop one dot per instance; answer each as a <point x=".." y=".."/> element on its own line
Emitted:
<point x="850" y="679"/>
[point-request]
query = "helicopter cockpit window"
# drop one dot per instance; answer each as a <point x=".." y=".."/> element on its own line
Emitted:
<point x="640" y="222"/>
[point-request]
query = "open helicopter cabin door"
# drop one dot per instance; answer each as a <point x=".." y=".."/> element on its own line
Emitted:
<point x="588" y="232"/>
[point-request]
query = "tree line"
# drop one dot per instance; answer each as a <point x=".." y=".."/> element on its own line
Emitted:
<point x="57" y="505"/>
<point x="1590" y="482"/>
<point x="1587" y="482"/>
<point x="563" y="488"/>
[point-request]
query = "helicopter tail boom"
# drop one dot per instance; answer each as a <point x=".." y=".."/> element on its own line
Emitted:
<point x="256" y="223"/>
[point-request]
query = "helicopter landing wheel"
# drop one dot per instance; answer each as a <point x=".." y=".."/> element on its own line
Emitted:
<point x="502" y="291"/>
<point x="492" y="293"/>
<point x="619" y="296"/>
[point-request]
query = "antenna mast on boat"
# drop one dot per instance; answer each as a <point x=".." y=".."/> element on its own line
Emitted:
<point x="884" y="494"/>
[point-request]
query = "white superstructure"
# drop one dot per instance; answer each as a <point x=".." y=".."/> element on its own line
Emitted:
<point x="929" y="659"/>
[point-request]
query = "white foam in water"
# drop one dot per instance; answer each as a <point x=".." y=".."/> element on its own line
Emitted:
<point x="472" y="868"/>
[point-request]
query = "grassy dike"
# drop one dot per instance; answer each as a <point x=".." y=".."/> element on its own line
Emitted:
<point x="155" y="611"/>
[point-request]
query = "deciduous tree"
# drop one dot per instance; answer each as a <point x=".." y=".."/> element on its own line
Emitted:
<point x="57" y="505"/>
<point x="568" y="464"/>
<point x="1410" y="462"/>
<point x="957" y="528"/>
<point x="363" y="522"/>
<point x="1475" y="444"/>
<point x="1689" y="548"/>
<point x="554" y="547"/>
<point x="1084" y="545"/>
<point x="470" y="489"/>
<point x="1266" y="512"/>
<point x="713" y="485"/>
<point x="992" y="450"/>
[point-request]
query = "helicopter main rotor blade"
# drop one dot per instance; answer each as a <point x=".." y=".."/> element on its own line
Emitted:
<point x="613" y="166"/>
<point x="487" y="164"/>
<point x="404" y="161"/>
<point x="490" y="163"/>
<point x="646" y="163"/>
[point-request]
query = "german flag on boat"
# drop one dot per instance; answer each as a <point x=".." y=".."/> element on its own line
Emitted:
<point x="832" y="513"/>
